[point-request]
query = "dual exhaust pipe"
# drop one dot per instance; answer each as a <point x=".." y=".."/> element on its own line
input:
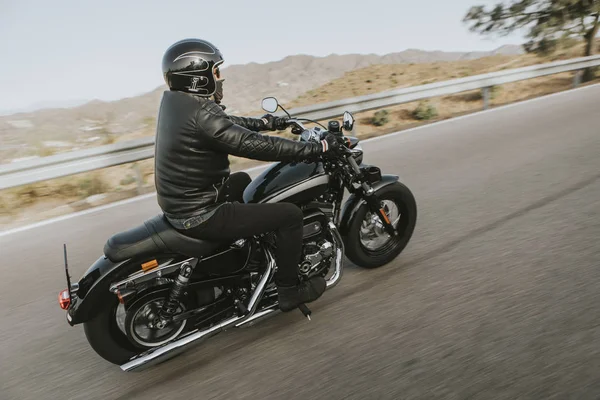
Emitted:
<point x="167" y="351"/>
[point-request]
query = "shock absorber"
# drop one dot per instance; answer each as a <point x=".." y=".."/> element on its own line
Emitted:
<point x="172" y="302"/>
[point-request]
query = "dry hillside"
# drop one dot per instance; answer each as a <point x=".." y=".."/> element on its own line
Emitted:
<point x="50" y="131"/>
<point x="379" y="78"/>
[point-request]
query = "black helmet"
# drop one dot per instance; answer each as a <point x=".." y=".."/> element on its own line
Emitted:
<point x="192" y="65"/>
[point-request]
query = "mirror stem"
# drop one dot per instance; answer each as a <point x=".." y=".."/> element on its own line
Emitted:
<point x="288" y="114"/>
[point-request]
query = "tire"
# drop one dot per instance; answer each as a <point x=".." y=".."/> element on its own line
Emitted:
<point x="106" y="338"/>
<point x="109" y="341"/>
<point x="364" y="257"/>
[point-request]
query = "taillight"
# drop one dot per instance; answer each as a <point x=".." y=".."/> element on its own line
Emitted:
<point x="64" y="299"/>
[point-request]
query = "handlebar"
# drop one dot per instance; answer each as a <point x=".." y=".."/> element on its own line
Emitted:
<point x="298" y="128"/>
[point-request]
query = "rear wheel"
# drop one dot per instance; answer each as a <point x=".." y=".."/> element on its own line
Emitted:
<point x="368" y="245"/>
<point x="142" y="323"/>
<point x="117" y="334"/>
<point x="105" y="336"/>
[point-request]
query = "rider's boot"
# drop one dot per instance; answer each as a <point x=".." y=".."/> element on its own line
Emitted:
<point x="290" y="297"/>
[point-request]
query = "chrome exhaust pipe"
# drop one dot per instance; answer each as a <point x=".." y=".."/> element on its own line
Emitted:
<point x="339" y="257"/>
<point x="331" y="282"/>
<point x="262" y="314"/>
<point x="159" y="354"/>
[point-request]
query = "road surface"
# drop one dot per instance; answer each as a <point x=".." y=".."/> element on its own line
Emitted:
<point x="496" y="297"/>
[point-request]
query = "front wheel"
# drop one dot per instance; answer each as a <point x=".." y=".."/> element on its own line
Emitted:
<point x="368" y="245"/>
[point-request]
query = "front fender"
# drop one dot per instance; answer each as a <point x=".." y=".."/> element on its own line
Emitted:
<point x="354" y="203"/>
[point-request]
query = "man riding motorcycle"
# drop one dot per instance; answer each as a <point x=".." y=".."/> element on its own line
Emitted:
<point x="195" y="190"/>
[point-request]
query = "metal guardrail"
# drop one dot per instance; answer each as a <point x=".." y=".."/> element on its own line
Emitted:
<point x="60" y="165"/>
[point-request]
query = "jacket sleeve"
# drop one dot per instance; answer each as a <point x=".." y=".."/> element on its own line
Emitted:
<point x="222" y="134"/>
<point x="253" y="124"/>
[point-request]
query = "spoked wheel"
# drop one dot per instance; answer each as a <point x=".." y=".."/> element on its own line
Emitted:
<point x="368" y="245"/>
<point x="142" y="323"/>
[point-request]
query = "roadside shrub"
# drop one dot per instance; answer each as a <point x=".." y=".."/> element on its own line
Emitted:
<point x="92" y="185"/>
<point x="26" y="195"/>
<point x="380" y="118"/>
<point x="46" y="152"/>
<point x="109" y="138"/>
<point x="425" y="111"/>
<point x="129" y="179"/>
<point x="495" y="91"/>
<point x="5" y="207"/>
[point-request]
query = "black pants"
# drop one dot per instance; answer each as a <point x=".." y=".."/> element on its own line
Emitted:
<point x="237" y="220"/>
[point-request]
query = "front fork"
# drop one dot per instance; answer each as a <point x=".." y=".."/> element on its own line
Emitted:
<point x="372" y="200"/>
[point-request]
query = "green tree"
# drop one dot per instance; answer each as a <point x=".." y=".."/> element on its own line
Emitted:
<point x="548" y="22"/>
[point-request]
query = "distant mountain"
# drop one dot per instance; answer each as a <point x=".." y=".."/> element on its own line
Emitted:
<point x="245" y="85"/>
<point x="44" y="105"/>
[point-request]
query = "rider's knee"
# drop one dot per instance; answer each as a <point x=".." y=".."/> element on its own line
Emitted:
<point x="294" y="215"/>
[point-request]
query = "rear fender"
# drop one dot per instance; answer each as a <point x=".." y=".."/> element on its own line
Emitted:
<point x="354" y="203"/>
<point x="93" y="291"/>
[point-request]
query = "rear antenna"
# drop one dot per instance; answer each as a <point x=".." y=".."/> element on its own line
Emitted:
<point x="67" y="269"/>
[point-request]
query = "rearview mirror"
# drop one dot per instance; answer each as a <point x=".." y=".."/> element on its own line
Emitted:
<point x="348" y="121"/>
<point x="270" y="104"/>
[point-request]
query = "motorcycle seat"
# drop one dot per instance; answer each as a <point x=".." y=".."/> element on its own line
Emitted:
<point x="155" y="236"/>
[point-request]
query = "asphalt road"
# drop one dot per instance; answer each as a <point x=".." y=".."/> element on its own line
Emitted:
<point x="496" y="296"/>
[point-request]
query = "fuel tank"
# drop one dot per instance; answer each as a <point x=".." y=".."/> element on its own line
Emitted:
<point x="296" y="182"/>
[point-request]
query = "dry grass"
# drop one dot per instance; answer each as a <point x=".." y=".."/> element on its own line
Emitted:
<point x="380" y="78"/>
<point x="402" y="116"/>
<point x="38" y="201"/>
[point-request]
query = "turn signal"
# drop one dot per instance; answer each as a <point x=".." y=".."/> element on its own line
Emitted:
<point x="64" y="300"/>
<point x="149" y="265"/>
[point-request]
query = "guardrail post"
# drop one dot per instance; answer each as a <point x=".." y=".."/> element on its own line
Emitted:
<point x="139" y="179"/>
<point x="486" y="97"/>
<point x="577" y="78"/>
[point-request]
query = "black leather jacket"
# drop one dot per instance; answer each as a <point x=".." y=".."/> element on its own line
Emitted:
<point x="193" y="139"/>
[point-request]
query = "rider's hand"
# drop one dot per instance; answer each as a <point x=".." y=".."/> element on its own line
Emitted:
<point x="332" y="144"/>
<point x="273" y="123"/>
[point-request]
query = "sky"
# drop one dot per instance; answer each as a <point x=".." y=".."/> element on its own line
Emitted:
<point x="72" y="50"/>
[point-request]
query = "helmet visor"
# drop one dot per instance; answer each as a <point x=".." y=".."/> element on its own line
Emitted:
<point x="217" y="72"/>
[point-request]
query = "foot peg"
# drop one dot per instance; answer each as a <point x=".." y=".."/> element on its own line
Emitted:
<point x="305" y="310"/>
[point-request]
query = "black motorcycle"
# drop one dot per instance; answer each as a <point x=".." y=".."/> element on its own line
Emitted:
<point x="155" y="292"/>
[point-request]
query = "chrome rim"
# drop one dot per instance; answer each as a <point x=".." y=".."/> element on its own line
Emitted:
<point x="120" y="315"/>
<point x="144" y="329"/>
<point x="372" y="233"/>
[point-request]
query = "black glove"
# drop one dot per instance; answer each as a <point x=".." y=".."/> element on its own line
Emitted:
<point x="273" y="123"/>
<point x="333" y="144"/>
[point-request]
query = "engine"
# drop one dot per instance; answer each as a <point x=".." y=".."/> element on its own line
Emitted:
<point x="316" y="256"/>
<point x="317" y="249"/>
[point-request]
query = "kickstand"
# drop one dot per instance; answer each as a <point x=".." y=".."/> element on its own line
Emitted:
<point x="305" y="310"/>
